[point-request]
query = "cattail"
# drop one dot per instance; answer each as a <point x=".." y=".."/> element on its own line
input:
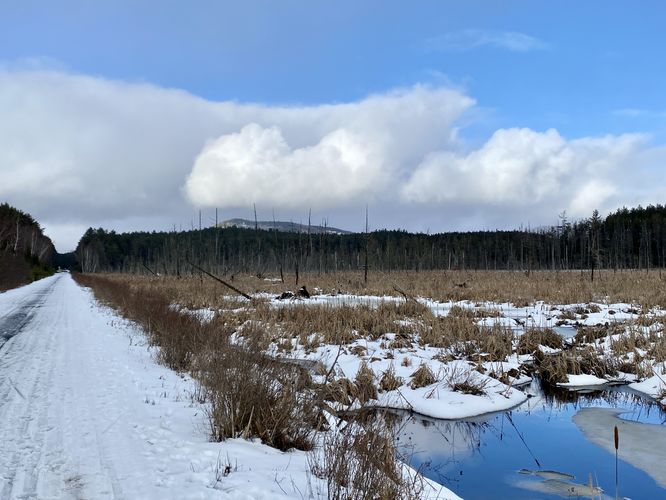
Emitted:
<point x="617" y="445"/>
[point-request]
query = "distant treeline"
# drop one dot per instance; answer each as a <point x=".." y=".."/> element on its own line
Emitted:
<point x="627" y="239"/>
<point x="26" y="253"/>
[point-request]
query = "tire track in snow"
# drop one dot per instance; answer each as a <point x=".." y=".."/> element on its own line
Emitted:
<point x="25" y="419"/>
<point x="14" y="322"/>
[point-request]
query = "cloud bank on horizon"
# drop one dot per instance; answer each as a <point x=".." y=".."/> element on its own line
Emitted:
<point x="79" y="149"/>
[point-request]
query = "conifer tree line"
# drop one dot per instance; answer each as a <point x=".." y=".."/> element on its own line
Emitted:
<point x="626" y="239"/>
<point x="20" y="234"/>
<point x="25" y="252"/>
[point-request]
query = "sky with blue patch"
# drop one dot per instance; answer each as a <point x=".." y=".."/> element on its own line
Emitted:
<point x="586" y="69"/>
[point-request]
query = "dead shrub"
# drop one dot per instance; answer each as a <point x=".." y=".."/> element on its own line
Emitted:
<point x="507" y="377"/>
<point x="422" y="377"/>
<point x="635" y="365"/>
<point x="462" y="312"/>
<point x="630" y="342"/>
<point x="461" y="379"/>
<point x="532" y="338"/>
<point x="568" y="314"/>
<point x="365" y="384"/>
<point x="341" y="391"/>
<point x="496" y="342"/>
<point x="597" y="363"/>
<point x="554" y="368"/>
<point x="645" y="320"/>
<point x="360" y="462"/>
<point x="256" y="335"/>
<point x="390" y="381"/>
<point x="657" y="350"/>
<point x="358" y="350"/>
<point x="588" y="334"/>
<point x="400" y="341"/>
<point x="487" y="313"/>
<point x="251" y="395"/>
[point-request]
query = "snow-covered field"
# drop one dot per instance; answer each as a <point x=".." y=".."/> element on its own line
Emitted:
<point x="86" y="412"/>
<point x="439" y="400"/>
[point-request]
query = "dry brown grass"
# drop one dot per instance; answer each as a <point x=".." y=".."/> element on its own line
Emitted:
<point x="365" y="384"/>
<point x="461" y="379"/>
<point x="248" y="393"/>
<point x="657" y="350"/>
<point x="360" y="462"/>
<point x="390" y="381"/>
<point x="462" y="337"/>
<point x="422" y="377"/>
<point x="630" y="342"/>
<point x="312" y="325"/>
<point x="553" y="368"/>
<point x="260" y="324"/>
<point x="530" y="341"/>
<point x="588" y="334"/>
<point x="343" y="324"/>
<point x="341" y="390"/>
<point x="646" y="289"/>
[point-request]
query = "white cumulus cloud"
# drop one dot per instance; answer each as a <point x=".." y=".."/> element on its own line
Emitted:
<point x="522" y="167"/>
<point x="79" y="151"/>
<point x="257" y="164"/>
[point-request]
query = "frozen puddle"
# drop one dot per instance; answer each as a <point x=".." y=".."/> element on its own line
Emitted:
<point x="642" y="445"/>
<point x="549" y="447"/>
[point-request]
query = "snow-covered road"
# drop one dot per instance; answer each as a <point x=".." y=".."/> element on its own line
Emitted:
<point x="85" y="412"/>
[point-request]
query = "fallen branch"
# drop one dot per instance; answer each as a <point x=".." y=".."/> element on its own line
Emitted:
<point x="149" y="269"/>
<point x="404" y="294"/>
<point x="231" y="287"/>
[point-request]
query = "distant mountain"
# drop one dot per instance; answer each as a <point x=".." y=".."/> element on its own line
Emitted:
<point x="287" y="227"/>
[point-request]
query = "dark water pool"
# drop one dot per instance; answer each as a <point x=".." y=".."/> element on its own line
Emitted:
<point x="480" y="457"/>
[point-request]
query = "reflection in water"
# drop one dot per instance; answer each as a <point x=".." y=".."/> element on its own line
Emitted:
<point x="641" y="409"/>
<point x="559" y="488"/>
<point x="482" y="456"/>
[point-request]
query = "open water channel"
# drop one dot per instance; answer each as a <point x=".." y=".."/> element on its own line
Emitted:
<point x="539" y="450"/>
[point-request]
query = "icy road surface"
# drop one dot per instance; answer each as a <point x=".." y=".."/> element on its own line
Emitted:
<point x="85" y="412"/>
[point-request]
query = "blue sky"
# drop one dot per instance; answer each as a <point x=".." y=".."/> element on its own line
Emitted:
<point x="590" y="60"/>
<point x="586" y="69"/>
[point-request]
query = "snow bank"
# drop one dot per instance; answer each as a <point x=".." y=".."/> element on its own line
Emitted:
<point x="654" y="386"/>
<point x="439" y="401"/>
<point x="583" y="381"/>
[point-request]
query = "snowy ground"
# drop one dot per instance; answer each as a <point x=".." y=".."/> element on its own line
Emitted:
<point x="564" y="319"/>
<point x="438" y="400"/>
<point x="85" y="412"/>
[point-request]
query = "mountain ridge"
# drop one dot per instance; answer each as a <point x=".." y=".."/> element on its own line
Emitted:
<point x="288" y="227"/>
